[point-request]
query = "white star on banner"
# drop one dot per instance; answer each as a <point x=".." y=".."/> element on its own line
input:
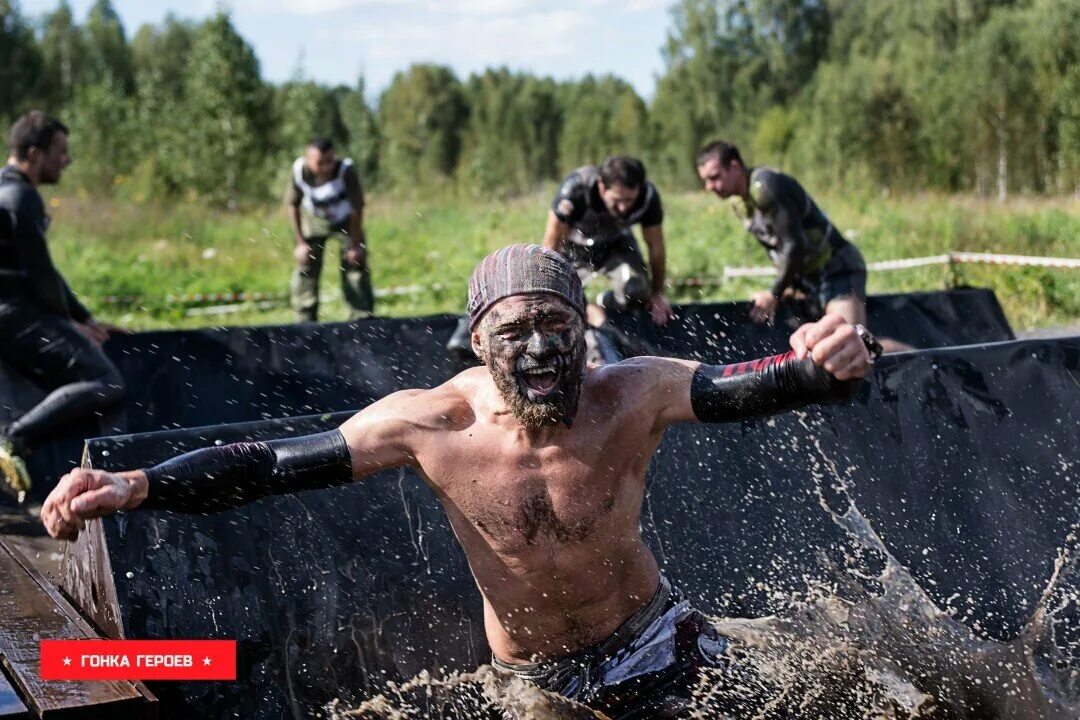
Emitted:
<point x="67" y="661"/>
<point x="206" y="661"/>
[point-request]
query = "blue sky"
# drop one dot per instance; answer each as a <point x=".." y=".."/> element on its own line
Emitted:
<point x="339" y="39"/>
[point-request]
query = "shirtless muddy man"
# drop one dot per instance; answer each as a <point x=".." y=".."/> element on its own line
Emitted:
<point x="539" y="462"/>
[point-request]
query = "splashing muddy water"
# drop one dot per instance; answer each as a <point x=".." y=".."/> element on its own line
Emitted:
<point x="867" y="644"/>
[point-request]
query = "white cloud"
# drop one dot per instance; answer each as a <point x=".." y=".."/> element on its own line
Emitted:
<point x="628" y="5"/>
<point x="559" y="38"/>
<point x="464" y="8"/>
<point x="317" y="7"/>
<point x="488" y="7"/>
<point x="324" y="7"/>
<point x="471" y="40"/>
<point x="338" y="39"/>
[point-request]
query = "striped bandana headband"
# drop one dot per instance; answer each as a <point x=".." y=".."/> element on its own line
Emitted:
<point x="522" y="270"/>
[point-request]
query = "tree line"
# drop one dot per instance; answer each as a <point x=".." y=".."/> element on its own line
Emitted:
<point x="950" y="95"/>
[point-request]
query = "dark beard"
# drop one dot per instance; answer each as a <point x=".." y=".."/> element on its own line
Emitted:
<point x="559" y="406"/>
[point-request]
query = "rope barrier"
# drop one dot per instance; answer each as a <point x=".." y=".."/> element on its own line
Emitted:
<point x="729" y="273"/>
<point x="908" y="263"/>
<point x="950" y="258"/>
<point x="996" y="259"/>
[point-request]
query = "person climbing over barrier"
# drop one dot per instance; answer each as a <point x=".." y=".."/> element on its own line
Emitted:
<point x="47" y="335"/>
<point x="811" y="257"/>
<point x="539" y="462"/>
<point x="590" y="222"/>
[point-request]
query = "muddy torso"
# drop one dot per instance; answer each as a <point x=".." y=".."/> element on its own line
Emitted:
<point x="551" y="528"/>
<point x="777" y="204"/>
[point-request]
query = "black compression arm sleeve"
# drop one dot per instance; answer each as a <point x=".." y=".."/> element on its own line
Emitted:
<point x="218" y="478"/>
<point x="724" y="393"/>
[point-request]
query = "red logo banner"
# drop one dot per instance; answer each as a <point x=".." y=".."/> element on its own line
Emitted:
<point x="138" y="659"/>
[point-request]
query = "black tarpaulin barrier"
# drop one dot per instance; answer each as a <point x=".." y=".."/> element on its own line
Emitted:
<point x="211" y="376"/>
<point x="716" y="332"/>
<point x="190" y="378"/>
<point x="964" y="459"/>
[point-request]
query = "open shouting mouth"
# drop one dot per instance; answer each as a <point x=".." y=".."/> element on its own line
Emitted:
<point x="539" y="379"/>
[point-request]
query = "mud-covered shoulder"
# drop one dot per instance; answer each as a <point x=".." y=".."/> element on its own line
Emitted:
<point x="403" y="416"/>
<point x="572" y="198"/>
<point x="766" y="187"/>
<point x="448" y="406"/>
<point x="22" y="200"/>
<point x="638" y="376"/>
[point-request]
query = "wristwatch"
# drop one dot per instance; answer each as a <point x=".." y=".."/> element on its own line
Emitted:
<point x="869" y="341"/>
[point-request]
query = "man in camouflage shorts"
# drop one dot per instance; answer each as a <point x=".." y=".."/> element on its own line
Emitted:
<point x="324" y="199"/>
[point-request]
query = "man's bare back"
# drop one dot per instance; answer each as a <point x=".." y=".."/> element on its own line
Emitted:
<point x="538" y="461"/>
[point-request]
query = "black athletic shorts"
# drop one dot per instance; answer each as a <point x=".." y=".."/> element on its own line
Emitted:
<point x="843" y="275"/>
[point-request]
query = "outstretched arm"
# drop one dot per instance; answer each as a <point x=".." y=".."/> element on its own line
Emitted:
<point x="356" y="254"/>
<point x="555" y="233"/>
<point x="218" y="478"/>
<point x="826" y="365"/>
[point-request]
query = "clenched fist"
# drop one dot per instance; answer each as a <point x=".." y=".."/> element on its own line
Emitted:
<point x="659" y="309"/>
<point x="84" y="494"/>
<point x="355" y="256"/>
<point x="763" y="307"/>
<point x="833" y="344"/>
<point x="303" y="254"/>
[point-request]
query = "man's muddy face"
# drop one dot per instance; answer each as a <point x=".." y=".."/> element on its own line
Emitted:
<point x="724" y="181"/>
<point x="618" y="199"/>
<point x="534" y="347"/>
<point x="320" y="163"/>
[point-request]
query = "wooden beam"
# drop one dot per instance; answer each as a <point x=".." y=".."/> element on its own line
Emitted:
<point x="32" y="609"/>
<point x="86" y="577"/>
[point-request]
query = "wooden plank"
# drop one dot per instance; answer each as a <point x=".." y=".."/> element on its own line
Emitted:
<point x="31" y="609"/>
<point x="86" y="577"/>
<point x="11" y="707"/>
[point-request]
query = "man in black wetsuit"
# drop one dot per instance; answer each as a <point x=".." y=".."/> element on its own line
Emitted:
<point x="590" y="222"/>
<point x="810" y="254"/>
<point x="45" y="332"/>
<point x="539" y="461"/>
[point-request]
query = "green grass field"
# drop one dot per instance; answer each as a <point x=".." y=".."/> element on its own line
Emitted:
<point x="122" y="248"/>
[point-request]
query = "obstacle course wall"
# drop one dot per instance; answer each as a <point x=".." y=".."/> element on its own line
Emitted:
<point x="716" y="332"/>
<point x="964" y="459"/>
